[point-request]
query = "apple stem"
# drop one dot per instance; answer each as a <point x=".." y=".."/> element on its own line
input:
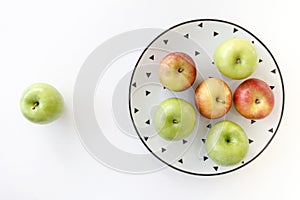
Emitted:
<point x="180" y="70"/>
<point x="257" y="101"/>
<point x="238" y="61"/>
<point x="35" y="105"/>
<point x="220" y="100"/>
<point x="175" y="121"/>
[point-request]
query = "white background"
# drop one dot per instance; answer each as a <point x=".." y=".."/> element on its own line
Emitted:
<point x="48" y="41"/>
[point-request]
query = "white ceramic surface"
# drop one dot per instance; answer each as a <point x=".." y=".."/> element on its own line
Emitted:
<point x="199" y="39"/>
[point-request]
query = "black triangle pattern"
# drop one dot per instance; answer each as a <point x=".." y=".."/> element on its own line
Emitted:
<point x="151" y="57"/>
<point x="163" y="149"/>
<point x="271" y="130"/>
<point x="208" y="126"/>
<point x="166" y="41"/>
<point x="197" y="53"/>
<point x="147" y="92"/>
<point x="205" y="158"/>
<point x="201" y="25"/>
<point x="203" y="140"/>
<point x="184" y="141"/>
<point x="235" y="30"/>
<point x="250" y="141"/>
<point x="180" y="160"/>
<point x="215" y="33"/>
<point x="252" y="121"/>
<point x="148" y="74"/>
<point x="147" y="122"/>
<point x="272" y="87"/>
<point x="187" y="36"/>
<point x="274" y="71"/>
<point x="146" y="138"/>
<point x="260" y="60"/>
<point x="134" y="84"/>
<point x="136" y="110"/>
<point x="216" y="168"/>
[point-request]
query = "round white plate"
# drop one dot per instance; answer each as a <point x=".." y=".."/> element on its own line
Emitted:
<point x="199" y="39"/>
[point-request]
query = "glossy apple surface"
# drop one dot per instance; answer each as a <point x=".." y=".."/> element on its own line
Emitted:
<point x="227" y="143"/>
<point x="41" y="103"/>
<point x="236" y="58"/>
<point x="213" y="98"/>
<point x="177" y="71"/>
<point x="254" y="99"/>
<point x="174" y="119"/>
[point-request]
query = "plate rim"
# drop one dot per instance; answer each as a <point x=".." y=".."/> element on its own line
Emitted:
<point x="282" y="87"/>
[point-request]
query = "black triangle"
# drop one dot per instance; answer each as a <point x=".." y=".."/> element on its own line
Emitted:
<point x="147" y="92"/>
<point x="274" y="71"/>
<point x="164" y="87"/>
<point x="148" y="74"/>
<point x="200" y="25"/>
<point x="250" y="141"/>
<point x="235" y="30"/>
<point x="205" y="158"/>
<point x="136" y="110"/>
<point x="163" y="149"/>
<point x="252" y="121"/>
<point x="151" y="57"/>
<point x="213" y="62"/>
<point x="210" y="77"/>
<point x="252" y="42"/>
<point x="134" y="84"/>
<point x="187" y="36"/>
<point x="203" y="140"/>
<point x="260" y="60"/>
<point x="215" y="33"/>
<point x="184" y="141"/>
<point x="271" y="130"/>
<point x="146" y="138"/>
<point x="208" y="126"/>
<point x="148" y="122"/>
<point x="243" y="162"/>
<point x="181" y="161"/>
<point x="272" y="87"/>
<point x="166" y="41"/>
<point x="216" y="168"/>
<point x="197" y="53"/>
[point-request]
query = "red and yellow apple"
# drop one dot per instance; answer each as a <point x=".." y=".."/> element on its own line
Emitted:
<point x="213" y="98"/>
<point x="254" y="99"/>
<point x="177" y="71"/>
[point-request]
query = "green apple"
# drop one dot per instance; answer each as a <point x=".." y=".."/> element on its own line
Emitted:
<point x="236" y="58"/>
<point x="174" y="119"/>
<point x="227" y="143"/>
<point x="41" y="103"/>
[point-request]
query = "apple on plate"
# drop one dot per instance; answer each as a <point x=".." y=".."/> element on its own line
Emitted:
<point x="177" y="71"/>
<point x="213" y="98"/>
<point x="254" y="99"/>
<point x="41" y="103"/>
<point x="226" y="143"/>
<point x="236" y="58"/>
<point x="174" y="119"/>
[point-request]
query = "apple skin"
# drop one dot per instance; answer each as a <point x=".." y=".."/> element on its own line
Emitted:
<point x="254" y="99"/>
<point x="213" y="98"/>
<point x="226" y="143"/>
<point x="177" y="71"/>
<point x="236" y="58"/>
<point x="174" y="119"/>
<point x="41" y="103"/>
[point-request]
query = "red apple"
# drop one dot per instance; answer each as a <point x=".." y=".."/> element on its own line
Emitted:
<point x="213" y="98"/>
<point x="254" y="99"/>
<point x="177" y="71"/>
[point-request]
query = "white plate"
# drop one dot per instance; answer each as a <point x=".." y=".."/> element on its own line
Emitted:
<point x="199" y="39"/>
